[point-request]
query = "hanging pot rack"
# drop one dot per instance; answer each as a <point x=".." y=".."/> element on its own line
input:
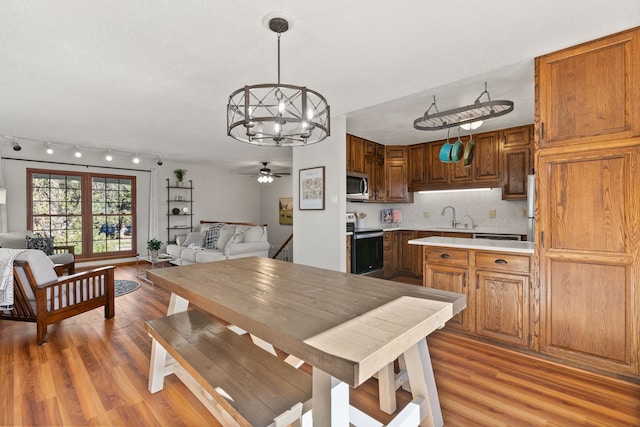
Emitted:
<point x="440" y="120"/>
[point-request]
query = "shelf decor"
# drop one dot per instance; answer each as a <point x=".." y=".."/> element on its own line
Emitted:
<point x="312" y="188"/>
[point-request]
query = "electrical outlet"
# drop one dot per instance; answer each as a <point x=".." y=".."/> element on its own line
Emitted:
<point x="492" y="213"/>
<point x="426" y="215"/>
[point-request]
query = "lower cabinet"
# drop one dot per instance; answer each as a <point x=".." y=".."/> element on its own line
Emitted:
<point x="497" y="287"/>
<point x="348" y="254"/>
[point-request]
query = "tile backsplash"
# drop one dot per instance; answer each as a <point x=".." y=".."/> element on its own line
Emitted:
<point x="425" y="211"/>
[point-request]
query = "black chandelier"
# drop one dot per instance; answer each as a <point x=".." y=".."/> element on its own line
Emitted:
<point x="471" y="114"/>
<point x="278" y="115"/>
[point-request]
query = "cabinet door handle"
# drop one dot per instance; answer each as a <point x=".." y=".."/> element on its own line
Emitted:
<point x="464" y="280"/>
<point x="445" y="256"/>
<point x="501" y="261"/>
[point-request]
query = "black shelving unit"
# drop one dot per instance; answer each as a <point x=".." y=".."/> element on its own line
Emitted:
<point x="179" y="197"/>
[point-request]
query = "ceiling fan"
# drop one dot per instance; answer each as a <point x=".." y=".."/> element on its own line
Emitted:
<point x="265" y="174"/>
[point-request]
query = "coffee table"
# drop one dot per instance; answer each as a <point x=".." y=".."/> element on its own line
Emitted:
<point x="163" y="260"/>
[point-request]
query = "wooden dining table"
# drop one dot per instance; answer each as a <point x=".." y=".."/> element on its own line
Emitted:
<point x="347" y="327"/>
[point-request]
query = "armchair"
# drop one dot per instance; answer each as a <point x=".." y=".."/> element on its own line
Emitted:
<point x="41" y="296"/>
<point x="64" y="259"/>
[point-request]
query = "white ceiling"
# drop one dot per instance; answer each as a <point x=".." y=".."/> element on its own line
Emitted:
<point x="155" y="76"/>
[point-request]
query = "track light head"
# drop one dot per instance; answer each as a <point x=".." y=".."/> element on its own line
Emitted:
<point x="15" y="145"/>
<point x="159" y="161"/>
<point x="49" y="148"/>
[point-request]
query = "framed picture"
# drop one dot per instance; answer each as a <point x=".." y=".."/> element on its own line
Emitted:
<point x="312" y="188"/>
<point x="286" y="210"/>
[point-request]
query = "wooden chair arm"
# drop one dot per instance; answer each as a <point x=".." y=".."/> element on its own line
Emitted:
<point x="101" y="271"/>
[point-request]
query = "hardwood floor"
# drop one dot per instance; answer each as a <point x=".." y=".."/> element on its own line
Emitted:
<point x="94" y="372"/>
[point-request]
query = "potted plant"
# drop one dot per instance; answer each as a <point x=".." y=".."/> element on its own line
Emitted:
<point x="179" y="173"/>
<point x="153" y="246"/>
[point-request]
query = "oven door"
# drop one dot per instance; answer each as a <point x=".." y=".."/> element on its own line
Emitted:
<point x="366" y="252"/>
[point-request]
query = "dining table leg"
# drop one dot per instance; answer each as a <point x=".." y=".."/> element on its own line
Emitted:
<point x="330" y="400"/>
<point x="423" y="384"/>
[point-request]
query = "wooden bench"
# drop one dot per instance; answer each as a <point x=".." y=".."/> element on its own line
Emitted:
<point x="240" y="383"/>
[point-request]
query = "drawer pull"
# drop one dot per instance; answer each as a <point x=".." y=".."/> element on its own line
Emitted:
<point x="501" y="261"/>
<point x="445" y="256"/>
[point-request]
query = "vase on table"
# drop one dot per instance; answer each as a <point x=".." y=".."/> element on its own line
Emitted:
<point x="154" y="254"/>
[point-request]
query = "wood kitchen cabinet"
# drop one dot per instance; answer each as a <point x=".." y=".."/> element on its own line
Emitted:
<point x="355" y="154"/>
<point x="590" y="92"/>
<point x="502" y="297"/>
<point x="448" y="269"/>
<point x="374" y="168"/>
<point x="587" y="156"/>
<point x="497" y="286"/>
<point x="517" y="163"/>
<point x="589" y="227"/>
<point x="417" y="165"/>
<point x="348" y="243"/>
<point x="396" y="169"/>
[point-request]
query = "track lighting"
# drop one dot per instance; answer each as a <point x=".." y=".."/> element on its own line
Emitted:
<point x="159" y="160"/>
<point x="108" y="157"/>
<point x="15" y="145"/>
<point x="48" y="148"/>
<point x="135" y="159"/>
<point x="77" y="153"/>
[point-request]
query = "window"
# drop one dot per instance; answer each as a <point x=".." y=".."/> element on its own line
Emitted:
<point x="95" y="213"/>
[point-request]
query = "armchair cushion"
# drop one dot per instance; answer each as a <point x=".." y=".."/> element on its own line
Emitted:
<point x="45" y="244"/>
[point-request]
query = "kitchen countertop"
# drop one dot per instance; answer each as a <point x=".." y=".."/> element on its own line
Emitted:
<point x="482" y="244"/>
<point x="484" y="230"/>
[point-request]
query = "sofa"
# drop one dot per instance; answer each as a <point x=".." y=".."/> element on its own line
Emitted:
<point x="217" y="241"/>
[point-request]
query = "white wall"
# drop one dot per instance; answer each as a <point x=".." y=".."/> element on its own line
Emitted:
<point x="319" y="235"/>
<point x="218" y="194"/>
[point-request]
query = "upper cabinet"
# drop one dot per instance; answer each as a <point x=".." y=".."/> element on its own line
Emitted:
<point x="397" y="171"/>
<point x="517" y="155"/>
<point x="590" y="92"/>
<point x="501" y="158"/>
<point x="355" y="154"/>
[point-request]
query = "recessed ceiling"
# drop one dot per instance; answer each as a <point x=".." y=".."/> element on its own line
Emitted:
<point x="154" y="77"/>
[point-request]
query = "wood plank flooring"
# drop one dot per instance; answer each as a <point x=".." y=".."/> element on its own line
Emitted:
<point x="94" y="372"/>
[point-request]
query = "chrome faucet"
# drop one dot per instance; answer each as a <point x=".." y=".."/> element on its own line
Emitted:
<point x="473" y="223"/>
<point x="453" y="220"/>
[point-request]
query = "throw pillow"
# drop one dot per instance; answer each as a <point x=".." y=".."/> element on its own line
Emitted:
<point x="45" y="244"/>
<point x="194" y="238"/>
<point x="253" y="234"/>
<point x="237" y="238"/>
<point x="226" y="233"/>
<point x="212" y="235"/>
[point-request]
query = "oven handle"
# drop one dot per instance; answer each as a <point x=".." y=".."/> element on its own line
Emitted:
<point x="368" y="235"/>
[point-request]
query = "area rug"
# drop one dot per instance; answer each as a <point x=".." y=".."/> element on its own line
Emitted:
<point x="123" y="287"/>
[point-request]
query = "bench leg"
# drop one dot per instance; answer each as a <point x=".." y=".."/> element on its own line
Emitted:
<point x="387" y="389"/>
<point x="330" y="400"/>
<point x="157" y="366"/>
<point x="422" y="381"/>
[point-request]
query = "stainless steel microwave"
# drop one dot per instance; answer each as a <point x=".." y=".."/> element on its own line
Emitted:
<point x="357" y="186"/>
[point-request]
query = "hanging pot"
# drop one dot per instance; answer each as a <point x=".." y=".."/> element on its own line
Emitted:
<point x="445" y="151"/>
<point x="469" y="152"/>
<point x="457" y="149"/>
